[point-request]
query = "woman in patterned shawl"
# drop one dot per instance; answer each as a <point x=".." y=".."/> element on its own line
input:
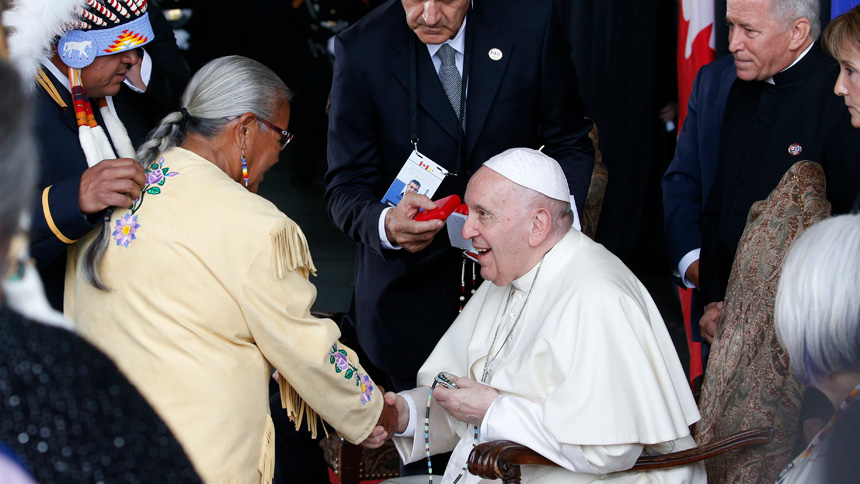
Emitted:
<point x="748" y="383"/>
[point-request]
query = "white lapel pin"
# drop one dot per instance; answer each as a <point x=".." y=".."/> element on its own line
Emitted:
<point x="495" y="54"/>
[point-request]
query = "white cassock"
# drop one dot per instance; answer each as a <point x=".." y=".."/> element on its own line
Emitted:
<point x="589" y="377"/>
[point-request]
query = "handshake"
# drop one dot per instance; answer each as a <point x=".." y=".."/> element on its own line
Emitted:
<point x="393" y="419"/>
<point x="466" y="400"/>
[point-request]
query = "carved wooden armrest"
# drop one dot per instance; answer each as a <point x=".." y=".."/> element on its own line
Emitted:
<point x="502" y="459"/>
<point x="732" y="442"/>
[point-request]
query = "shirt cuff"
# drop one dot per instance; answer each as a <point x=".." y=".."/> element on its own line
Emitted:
<point x="685" y="264"/>
<point x="576" y="223"/>
<point x="146" y="68"/>
<point x="145" y="76"/>
<point x="413" y="417"/>
<point x="383" y="239"/>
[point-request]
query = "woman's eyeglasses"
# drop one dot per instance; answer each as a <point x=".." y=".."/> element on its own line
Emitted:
<point x="286" y="136"/>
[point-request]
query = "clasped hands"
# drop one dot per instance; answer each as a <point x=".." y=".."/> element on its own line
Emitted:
<point x="411" y="235"/>
<point x="468" y="403"/>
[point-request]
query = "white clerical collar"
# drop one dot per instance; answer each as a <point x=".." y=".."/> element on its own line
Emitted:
<point x="769" y="80"/>
<point x="458" y="43"/>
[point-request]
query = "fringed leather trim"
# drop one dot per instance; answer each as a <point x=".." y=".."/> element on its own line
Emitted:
<point x="291" y="250"/>
<point x="297" y="409"/>
<point x="266" y="465"/>
<point x="45" y="81"/>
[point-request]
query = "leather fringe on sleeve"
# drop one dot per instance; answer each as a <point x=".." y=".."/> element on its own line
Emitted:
<point x="297" y="408"/>
<point x="291" y="250"/>
<point x="266" y="465"/>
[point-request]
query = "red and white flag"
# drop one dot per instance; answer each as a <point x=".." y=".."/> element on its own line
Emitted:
<point x="695" y="49"/>
<point x="695" y="46"/>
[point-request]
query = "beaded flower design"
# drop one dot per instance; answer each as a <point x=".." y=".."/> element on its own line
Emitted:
<point x="127" y="225"/>
<point x="338" y="358"/>
<point x="366" y="389"/>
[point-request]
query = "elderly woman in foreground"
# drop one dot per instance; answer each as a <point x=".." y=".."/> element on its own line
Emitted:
<point x="201" y="285"/>
<point x="818" y="322"/>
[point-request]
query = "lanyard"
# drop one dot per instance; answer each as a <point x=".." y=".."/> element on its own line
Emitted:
<point x="413" y="94"/>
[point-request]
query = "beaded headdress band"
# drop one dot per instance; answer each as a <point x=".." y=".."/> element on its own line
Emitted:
<point x="86" y="29"/>
<point x="105" y="27"/>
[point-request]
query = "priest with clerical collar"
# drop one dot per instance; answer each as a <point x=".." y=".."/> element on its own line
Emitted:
<point x="561" y="349"/>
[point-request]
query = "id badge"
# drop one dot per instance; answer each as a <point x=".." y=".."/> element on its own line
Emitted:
<point x="419" y="174"/>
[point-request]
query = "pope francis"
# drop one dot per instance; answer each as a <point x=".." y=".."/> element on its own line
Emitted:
<point x="561" y="349"/>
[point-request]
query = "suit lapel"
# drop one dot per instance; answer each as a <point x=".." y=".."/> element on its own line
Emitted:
<point x="485" y="74"/>
<point x="431" y="95"/>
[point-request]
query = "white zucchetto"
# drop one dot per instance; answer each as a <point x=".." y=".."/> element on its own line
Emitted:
<point x="532" y="169"/>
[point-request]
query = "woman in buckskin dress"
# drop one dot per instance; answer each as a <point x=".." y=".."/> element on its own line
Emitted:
<point x="201" y="286"/>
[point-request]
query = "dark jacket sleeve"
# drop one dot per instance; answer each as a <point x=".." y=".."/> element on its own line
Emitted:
<point x="682" y="187"/>
<point x="60" y="207"/>
<point x="355" y="162"/>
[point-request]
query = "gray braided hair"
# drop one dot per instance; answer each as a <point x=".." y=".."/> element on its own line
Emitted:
<point x="223" y="88"/>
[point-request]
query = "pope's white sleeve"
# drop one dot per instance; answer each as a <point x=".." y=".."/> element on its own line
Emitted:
<point x="413" y="417"/>
<point x="520" y="420"/>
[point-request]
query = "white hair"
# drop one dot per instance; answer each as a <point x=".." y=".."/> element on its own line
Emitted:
<point x="788" y="11"/>
<point x="817" y="309"/>
<point x="561" y="212"/>
<point x="223" y="88"/>
<point x="34" y="26"/>
<point x="17" y="166"/>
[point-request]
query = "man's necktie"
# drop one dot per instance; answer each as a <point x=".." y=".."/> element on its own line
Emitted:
<point x="450" y="77"/>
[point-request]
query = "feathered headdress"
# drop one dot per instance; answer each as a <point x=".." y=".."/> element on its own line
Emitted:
<point x="33" y="27"/>
<point x="81" y="30"/>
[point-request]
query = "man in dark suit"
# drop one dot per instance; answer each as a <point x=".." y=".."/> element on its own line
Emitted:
<point x="781" y="110"/>
<point x="520" y="91"/>
<point x="689" y="177"/>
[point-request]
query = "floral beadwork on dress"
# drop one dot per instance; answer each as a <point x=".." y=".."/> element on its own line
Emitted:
<point x="127" y="225"/>
<point x="338" y="358"/>
<point x="366" y="389"/>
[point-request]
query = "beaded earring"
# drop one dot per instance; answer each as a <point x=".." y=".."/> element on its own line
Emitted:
<point x="244" y="168"/>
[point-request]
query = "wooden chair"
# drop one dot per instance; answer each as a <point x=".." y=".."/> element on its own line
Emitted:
<point x="502" y="459"/>
<point x="353" y="464"/>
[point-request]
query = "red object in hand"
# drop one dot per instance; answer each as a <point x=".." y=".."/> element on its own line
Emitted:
<point x="463" y="209"/>
<point x="443" y="209"/>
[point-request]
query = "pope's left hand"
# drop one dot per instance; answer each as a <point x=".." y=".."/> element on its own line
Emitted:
<point x="467" y="403"/>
